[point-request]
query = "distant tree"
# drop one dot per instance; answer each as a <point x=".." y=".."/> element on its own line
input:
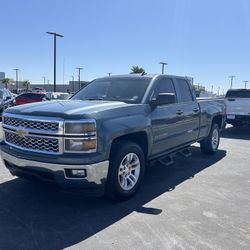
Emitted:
<point x="26" y="85"/>
<point x="6" y="81"/>
<point x="136" y="69"/>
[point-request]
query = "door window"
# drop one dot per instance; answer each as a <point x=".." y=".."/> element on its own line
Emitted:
<point x="184" y="91"/>
<point x="164" y="86"/>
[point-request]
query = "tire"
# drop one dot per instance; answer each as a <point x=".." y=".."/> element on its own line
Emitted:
<point x="210" y="144"/>
<point x="124" y="179"/>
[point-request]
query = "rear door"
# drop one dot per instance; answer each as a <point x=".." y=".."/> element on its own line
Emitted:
<point x="166" y="122"/>
<point x="190" y="110"/>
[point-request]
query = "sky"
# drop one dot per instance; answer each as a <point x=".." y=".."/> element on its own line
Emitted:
<point x="207" y="40"/>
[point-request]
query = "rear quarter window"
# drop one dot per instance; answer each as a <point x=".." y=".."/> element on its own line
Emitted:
<point x="238" y="94"/>
<point x="32" y="96"/>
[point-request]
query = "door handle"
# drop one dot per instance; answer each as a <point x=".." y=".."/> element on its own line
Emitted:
<point x="179" y="112"/>
<point x="196" y="110"/>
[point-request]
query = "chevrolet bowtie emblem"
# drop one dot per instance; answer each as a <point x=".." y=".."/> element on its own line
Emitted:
<point x="21" y="133"/>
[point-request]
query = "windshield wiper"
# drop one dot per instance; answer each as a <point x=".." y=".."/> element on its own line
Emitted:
<point x="93" y="99"/>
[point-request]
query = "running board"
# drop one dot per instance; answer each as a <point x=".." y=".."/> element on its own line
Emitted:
<point x="167" y="160"/>
<point x="186" y="152"/>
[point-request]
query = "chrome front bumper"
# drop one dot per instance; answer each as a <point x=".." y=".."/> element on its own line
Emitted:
<point x="96" y="173"/>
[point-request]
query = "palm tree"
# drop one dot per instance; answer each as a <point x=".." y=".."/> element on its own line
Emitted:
<point x="26" y="85"/>
<point x="136" y="69"/>
<point x="6" y="81"/>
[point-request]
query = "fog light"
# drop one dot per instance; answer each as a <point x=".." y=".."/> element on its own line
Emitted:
<point x="75" y="173"/>
<point x="78" y="172"/>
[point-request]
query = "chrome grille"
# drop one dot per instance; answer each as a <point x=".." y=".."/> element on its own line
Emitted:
<point x="29" y="124"/>
<point x="38" y="144"/>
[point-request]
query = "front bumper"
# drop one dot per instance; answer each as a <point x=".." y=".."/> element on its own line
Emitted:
<point x="96" y="173"/>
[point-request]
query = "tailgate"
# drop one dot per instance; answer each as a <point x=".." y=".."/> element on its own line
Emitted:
<point x="238" y="106"/>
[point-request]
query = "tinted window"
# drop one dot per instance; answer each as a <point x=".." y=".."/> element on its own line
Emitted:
<point x="184" y="91"/>
<point x="238" y="94"/>
<point x="164" y="86"/>
<point x="127" y="89"/>
<point x="32" y="96"/>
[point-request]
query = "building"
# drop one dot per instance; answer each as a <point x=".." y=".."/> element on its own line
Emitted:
<point x="2" y="76"/>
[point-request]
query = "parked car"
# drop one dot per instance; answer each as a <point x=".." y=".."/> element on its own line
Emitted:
<point x="238" y="107"/>
<point x="58" y="96"/>
<point x="108" y="131"/>
<point x="31" y="97"/>
<point x="6" y="100"/>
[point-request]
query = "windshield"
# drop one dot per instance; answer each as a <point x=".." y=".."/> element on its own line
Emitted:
<point x="238" y="94"/>
<point x="130" y="90"/>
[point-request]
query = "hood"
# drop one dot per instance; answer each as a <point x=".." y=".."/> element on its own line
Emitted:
<point x="68" y="108"/>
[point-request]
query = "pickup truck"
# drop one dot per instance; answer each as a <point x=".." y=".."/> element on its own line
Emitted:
<point x="238" y="107"/>
<point x="105" y="135"/>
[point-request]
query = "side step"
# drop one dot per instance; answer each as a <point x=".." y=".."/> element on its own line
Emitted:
<point x="166" y="160"/>
<point x="186" y="152"/>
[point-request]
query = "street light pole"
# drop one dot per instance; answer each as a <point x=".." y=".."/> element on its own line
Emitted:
<point x="218" y="94"/>
<point x="245" y="84"/>
<point x="73" y="84"/>
<point x="55" y="35"/>
<point x="109" y="73"/>
<point x="44" y="80"/>
<point x="231" y="84"/>
<point x="79" y="76"/>
<point x="162" y="66"/>
<point x="16" y="79"/>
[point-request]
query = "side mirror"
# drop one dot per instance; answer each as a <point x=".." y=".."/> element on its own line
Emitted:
<point x="163" y="99"/>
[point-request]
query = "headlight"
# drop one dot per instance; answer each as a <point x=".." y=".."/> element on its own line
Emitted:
<point x="82" y="136"/>
<point x="80" y="145"/>
<point x="83" y="127"/>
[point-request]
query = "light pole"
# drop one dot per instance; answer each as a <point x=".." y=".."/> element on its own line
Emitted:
<point x="212" y="89"/>
<point x="55" y="35"/>
<point x="218" y="94"/>
<point x="109" y="73"/>
<point x="245" y="84"/>
<point x="73" y="84"/>
<point x="16" y="79"/>
<point x="162" y="66"/>
<point x="79" y="76"/>
<point x="231" y="84"/>
<point x="44" y="80"/>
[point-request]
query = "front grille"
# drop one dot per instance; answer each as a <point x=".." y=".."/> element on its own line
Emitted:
<point x="39" y="144"/>
<point x="29" y="124"/>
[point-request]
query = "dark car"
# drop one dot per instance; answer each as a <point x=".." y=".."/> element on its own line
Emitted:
<point x="30" y="98"/>
<point x="109" y="132"/>
<point x="6" y="99"/>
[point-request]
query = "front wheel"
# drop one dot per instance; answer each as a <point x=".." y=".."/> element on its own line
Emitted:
<point x="126" y="171"/>
<point x="210" y="144"/>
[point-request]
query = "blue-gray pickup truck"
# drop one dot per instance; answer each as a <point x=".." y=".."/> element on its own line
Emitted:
<point x="109" y="131"/>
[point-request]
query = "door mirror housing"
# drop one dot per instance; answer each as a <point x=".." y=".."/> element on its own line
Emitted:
<point x="163" y="99"/>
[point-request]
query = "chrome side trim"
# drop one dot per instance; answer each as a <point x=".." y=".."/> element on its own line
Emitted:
<point x="96" y="172"/>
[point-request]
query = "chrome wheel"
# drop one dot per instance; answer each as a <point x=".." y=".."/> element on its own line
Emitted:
<point x="129" y="171"/>
<point x="215" y="139"/>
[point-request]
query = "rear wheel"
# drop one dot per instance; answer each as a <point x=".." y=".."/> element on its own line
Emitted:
<point x="126" y="171"/>
<point x="211" y="143"/>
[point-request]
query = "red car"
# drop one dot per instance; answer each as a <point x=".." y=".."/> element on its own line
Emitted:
<point x="30" y="97"/>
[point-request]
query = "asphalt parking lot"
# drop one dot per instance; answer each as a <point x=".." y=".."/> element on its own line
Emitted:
<point x="197" y="203"/>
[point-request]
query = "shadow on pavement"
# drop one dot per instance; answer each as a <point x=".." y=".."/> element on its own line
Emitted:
<point x="34" y="215"/>
<point x="242" y="133"/>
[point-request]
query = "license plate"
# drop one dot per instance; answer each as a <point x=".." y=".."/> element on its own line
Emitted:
<point x="231" y="117"/>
